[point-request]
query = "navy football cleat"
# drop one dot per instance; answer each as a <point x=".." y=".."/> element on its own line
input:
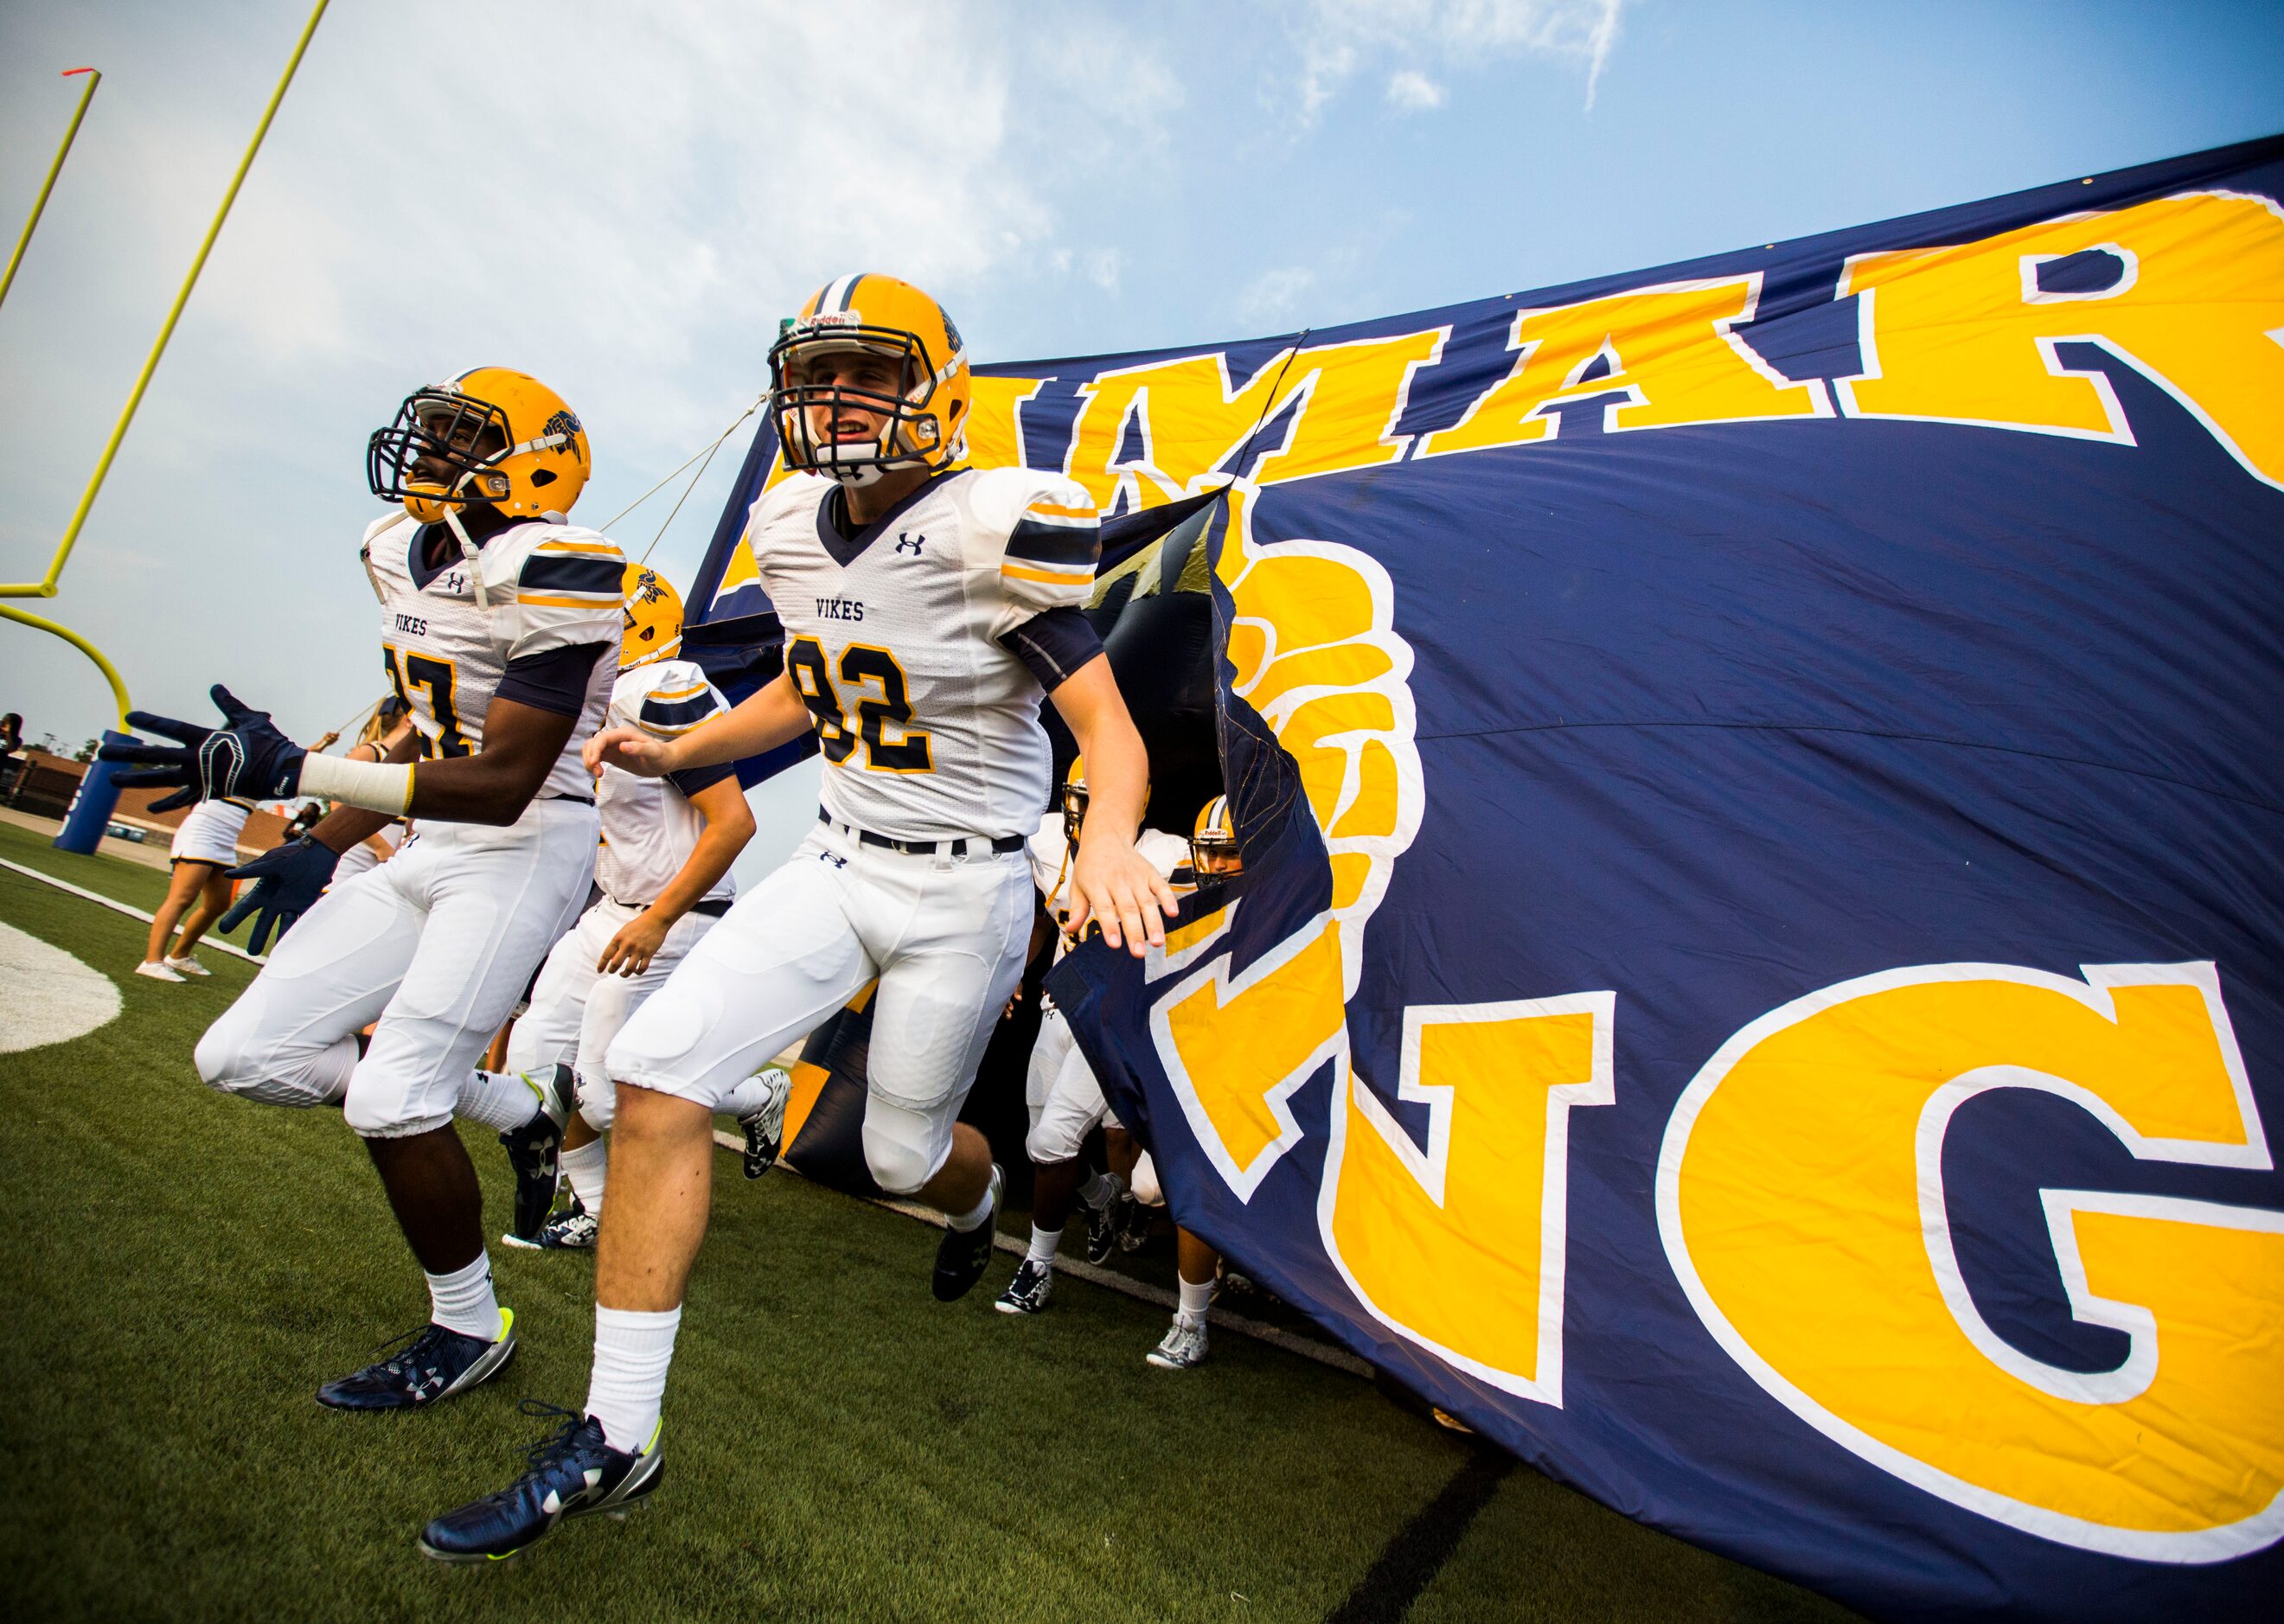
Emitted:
<point x="962" y="1255"/>
<point x="532" y="1149"/>
<point x="567" y="1229"/>
<point x="436" y="1364"/>
<point x="574" y="1472"/>
<point x="765" y="1128"/>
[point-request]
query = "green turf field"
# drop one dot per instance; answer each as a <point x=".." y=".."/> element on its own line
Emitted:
<point x="186" y="1268"/>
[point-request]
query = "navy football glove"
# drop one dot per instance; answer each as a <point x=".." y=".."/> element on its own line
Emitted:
<point x="246" y="756"/>
<point x="286" y="881"/>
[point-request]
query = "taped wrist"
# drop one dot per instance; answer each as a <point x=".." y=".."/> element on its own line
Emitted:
<point x="377" y="786"/>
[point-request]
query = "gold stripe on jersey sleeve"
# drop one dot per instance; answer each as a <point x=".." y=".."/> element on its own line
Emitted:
<point x="595" y="602"/>
<point x="1053" y="578"/>
<point x="556" y="544"/>
<point x="1049" y="509"/>
<point x="691" y="693"/>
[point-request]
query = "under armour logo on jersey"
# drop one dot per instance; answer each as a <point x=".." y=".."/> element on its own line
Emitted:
<point x="455" y="581"/>
<point x="910" y="543"/>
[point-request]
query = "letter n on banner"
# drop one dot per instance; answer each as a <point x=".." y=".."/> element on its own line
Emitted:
<point x="1460" y="1245"/>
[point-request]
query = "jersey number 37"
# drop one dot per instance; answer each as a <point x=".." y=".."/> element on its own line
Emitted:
<point x="883" y="713"/>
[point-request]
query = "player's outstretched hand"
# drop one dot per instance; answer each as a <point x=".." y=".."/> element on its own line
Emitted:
<point x="286" y="881"/>
<point x="630" y="748"/>
<point x="1114" y="886"/>
<point x="638" y="942"/>
<point x="246" y="756"/>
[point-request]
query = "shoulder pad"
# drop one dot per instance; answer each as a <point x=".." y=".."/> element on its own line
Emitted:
<point x="675" y="697"/>
<point x="565" y="567"/>
<point x="997" y="499"/>
<point x="384" y="524"/>
<point x="796" y="492"/>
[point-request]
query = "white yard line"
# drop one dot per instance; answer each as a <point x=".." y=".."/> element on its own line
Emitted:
<point x="119" y="907"/>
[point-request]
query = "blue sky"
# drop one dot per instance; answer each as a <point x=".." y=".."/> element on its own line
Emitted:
<point x="625" y="199"/>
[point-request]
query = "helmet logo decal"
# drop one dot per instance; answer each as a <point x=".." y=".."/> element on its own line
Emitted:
<point x="564" y="423"/>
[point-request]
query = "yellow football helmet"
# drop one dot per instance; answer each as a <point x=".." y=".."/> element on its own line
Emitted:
<point x="1214" y="852"/>
<point x="924" y="400"/>
<point x="654" y="618"/>
<point x="488" y="435"/>
<point x="1075" y="798"/>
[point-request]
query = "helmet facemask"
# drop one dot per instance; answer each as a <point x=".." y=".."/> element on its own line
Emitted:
<point x="1074" y="807"/>
<point x="800" y="390"/>
<point x="440" y="454"/>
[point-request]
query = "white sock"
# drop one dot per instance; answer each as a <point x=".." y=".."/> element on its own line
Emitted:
<point x="463" y="1300"/>
<point x="585" y="1168"/>
<point x="1043" y="1244"/>
<point x="976" y="1216"/>
<point x="503" y="1100"/>
<point x="747" y="1097"/>
<point x="1100" y="1190"/>
<point x="1195" y="1300"/>
<point x="632" y="1350"/>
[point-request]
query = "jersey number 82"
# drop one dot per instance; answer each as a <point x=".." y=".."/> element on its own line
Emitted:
<point x="863" y="666"/>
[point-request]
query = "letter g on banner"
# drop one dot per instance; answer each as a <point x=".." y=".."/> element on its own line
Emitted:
<point x="1800" y="1200"/>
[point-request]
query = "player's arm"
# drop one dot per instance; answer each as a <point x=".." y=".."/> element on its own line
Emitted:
<point x="345" y="826"/>
<point x="526" y="724"/>
<point x="756" y="724"/>
<point x="1112" y="883"/>
<point x="729" y="824"/>
<point x="521" y="743"/>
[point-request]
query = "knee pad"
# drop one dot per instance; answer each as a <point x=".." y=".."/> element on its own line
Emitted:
<point x="599" y="1097"/>
<point x="1144" y="1183"/>
<point x="900" y="1148"/>
<point x="228" y="1062"/>
<point x="1050" y="1142"/>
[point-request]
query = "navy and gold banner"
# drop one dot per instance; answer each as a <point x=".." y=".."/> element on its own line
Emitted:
<point x="1758" y="981"/>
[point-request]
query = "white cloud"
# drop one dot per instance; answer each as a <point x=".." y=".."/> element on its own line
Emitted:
<point x="1339" y="37"/>
<point x="1275" y="295"/>
<point x="1414" y="93"/>
<point x="623" y="200"/>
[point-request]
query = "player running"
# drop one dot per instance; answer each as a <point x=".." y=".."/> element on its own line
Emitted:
<point x="664" y="874"/>
<point x="1065" y="1098"/>
<point x="500" y="631"/>
<point x="926" y="610"/>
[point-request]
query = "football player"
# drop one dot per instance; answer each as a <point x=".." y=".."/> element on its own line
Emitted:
<point x="1060" y="1088"/>
<point x="499" y="625"/>
<point x="664" y="874"/>
<point x="927" y="609"/>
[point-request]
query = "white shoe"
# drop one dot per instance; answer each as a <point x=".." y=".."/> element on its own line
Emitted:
<point x="158" y="971"/>
<point x="187" y="965"/>
<point x="1183" y="1347"/>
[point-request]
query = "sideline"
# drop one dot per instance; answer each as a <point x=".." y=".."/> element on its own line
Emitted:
<point x="1333" y="1358"/>
<point x="117" y="906"/>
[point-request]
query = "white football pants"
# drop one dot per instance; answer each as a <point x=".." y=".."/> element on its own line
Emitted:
<point x="945" y="936"/>
<point x="1060" y="1089"/>
<point x="576" y="1010"/>
<point x="436" y="944"/>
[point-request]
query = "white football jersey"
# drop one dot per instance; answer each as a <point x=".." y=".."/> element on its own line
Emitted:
<point x="929" y="727"/>
<point x="649" y="829"/>
<point x="549" y="586"/>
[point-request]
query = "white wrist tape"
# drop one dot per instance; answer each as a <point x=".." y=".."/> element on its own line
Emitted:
<point x="377" y="786"/>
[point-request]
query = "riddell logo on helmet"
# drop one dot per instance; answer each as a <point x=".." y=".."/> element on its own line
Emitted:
<point x="829" y="318"/>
